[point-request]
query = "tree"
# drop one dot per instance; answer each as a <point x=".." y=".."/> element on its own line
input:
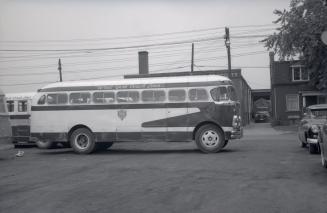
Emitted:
<point x="299" y="36"/>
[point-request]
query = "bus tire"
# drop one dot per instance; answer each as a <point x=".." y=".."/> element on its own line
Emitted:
<point x="209" y="139"/>
<point x="82" y="141"/>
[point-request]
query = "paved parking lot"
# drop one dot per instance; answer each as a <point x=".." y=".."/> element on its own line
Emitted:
<point x="266" y="171"/>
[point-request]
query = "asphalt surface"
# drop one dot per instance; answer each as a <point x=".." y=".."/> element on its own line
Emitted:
<point x="266" y="171"/>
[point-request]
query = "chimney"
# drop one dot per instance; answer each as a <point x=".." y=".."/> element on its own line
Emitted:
<point x="143" y="63"/>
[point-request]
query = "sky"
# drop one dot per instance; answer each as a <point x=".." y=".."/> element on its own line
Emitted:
<point x="100" y="39"/>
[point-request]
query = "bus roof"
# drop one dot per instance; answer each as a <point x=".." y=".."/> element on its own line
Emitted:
<point x="20" y="96"/>
<point x="136" y="81"/>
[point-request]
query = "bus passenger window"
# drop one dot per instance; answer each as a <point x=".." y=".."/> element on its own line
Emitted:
<point x="52" y="99"/>
<point x="219" y="94"/>
<point x="127" y="96"/>
<point x="198" y="94"/>
<point x="80" y="98"/>
<point x="153" y="96"/>
<point x="22" y="106"/>
<point x="177" y="95"/>
<point x="41" y="101"/>
<point x="62" y="98"/>
<point x="10" y="106"/>
<point x="103" y="97"/>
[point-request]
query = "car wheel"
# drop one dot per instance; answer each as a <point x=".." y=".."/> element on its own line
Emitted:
<point x="209" y="139"/>
<point x="104" y="145"/>
<point x="82" y="141"/>
<point x="313" y="148"/>
<point x="302" y="144"/>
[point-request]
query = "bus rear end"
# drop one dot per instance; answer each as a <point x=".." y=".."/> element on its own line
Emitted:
<point x="5" y="129"/>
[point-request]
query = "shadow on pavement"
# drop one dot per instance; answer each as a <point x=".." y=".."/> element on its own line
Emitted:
<point x="132" y="151"/>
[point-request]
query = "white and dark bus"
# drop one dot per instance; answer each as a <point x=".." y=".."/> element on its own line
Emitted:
<point x="95" y="114"/>
<point x="19" y="109"/>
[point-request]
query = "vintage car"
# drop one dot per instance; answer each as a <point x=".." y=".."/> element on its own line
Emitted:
<point x="309" y="127"/>
<point x="261" y="116"/>
<point x="323" y="145"/>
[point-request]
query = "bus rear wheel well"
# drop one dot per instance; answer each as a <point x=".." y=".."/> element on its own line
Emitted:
<point x="205" y="123"/>
<point x="79" y="126"/>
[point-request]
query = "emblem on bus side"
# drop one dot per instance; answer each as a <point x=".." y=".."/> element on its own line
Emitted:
<point x="122" y="114"/>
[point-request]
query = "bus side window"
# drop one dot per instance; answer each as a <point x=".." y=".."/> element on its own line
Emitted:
<point x="103" y="97"/>
<point x="177" y="95"/>
<point x="41" y="100"/>
<point x="128" y="96"/>
<point x="52" y="99"/>
<point x="22" y="106"/>
<point x="153" y="96"/>
<point x="80" y="98"/>
<point x="198" y="94"/>
<point x="10" y="106"/>
<point x="62" y="98"/>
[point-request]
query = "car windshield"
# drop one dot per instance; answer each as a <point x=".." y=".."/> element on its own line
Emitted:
<point x="319" y="114"/>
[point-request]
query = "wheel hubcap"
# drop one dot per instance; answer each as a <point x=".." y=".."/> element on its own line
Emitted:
<point x="82" y="141"/>
<point x="210" y="138"/>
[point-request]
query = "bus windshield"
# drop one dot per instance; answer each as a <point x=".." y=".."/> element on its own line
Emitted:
<point x="223" y="93"/>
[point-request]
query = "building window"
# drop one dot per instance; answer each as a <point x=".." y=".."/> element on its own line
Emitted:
<point x="299" y="73"/>
<point x="10" y="106"/>
<point x="292" y="102"/>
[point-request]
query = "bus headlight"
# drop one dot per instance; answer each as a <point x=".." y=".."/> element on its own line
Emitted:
<point x="236" y="121"/>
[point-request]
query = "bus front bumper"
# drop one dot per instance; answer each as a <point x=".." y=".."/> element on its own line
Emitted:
<point x="237" y="133"/>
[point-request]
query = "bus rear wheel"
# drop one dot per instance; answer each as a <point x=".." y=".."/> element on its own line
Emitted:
<point x="82" y="141"/>
<point x="209" y="139"/>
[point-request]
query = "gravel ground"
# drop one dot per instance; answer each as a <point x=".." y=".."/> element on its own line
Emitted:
<point x="266" y="171"/>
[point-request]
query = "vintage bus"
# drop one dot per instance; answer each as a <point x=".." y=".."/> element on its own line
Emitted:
<point x="5" y="130"/>
<point x="19" y="108"/>
<point x="97" y="114"/>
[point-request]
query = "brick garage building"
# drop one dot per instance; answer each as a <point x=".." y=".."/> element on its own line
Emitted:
<point x="241" y="86"/>
<point x="291" y="92"/>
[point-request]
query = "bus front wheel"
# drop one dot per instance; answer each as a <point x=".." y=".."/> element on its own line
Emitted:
<point x="209" y="139"/>
<point x="82" y="141"/>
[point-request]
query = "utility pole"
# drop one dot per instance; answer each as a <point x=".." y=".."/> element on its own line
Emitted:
<point x="227" y="43"/>
<point x="192" y="60"/>
<point x="59" y="68"/>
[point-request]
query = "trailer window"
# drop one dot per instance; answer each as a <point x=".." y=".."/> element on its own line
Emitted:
<point x="10" y="106"/>
<point x="22" y="106"/>
<point x="80" y="98"/>
<point x="198" y="94"/>
<point x="128" y="96"/>
<point x="219" y="94"/>
<point x="103" y="97"/>
<point x="153" y="96"/>
<point x="177" y="95"/>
